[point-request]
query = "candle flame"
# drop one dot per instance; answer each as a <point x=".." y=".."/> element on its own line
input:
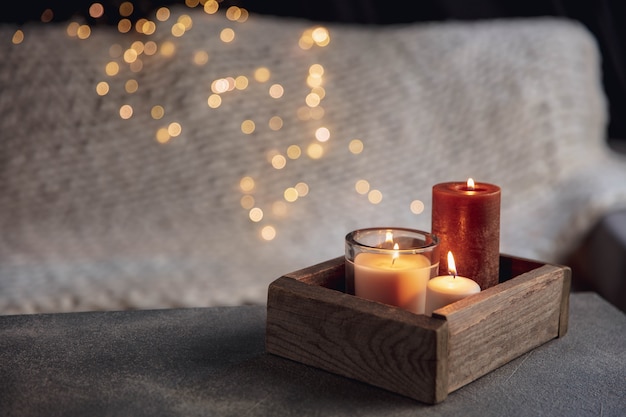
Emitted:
<point x="451" y="264"/>
<point x="389" y="237"/>
<point x="396" y="253"/>
<point x="470" y="184"/>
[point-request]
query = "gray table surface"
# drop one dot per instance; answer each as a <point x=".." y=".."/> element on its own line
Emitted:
<point x="212" y="361"/>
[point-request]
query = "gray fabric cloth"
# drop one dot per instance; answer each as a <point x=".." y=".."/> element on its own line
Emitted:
<point x="205" y="362"/>
<point x="95" y="214"/>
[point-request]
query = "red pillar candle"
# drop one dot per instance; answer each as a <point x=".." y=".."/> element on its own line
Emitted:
<point x="466" y="219"/>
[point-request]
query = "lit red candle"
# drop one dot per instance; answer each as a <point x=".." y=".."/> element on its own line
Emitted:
<point x="466" y="219"/>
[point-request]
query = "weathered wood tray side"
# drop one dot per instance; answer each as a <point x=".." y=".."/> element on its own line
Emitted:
<point x="489" y="329"/>
<point x="310" y="319"/>
<point x="371" y="342"/>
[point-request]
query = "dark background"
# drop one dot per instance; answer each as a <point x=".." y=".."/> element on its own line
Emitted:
<point x="606" y="19"/>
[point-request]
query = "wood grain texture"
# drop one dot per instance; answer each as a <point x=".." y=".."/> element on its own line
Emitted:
<point x="311" y="319"/>
<point x="371" y="342"/>
<point x="497" y="325"/>
<point x="328" y="274"/>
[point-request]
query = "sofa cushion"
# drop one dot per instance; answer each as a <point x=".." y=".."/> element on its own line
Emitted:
<point x="100" y="211"/>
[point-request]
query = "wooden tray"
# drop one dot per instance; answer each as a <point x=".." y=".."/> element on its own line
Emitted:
<point x="313" y="320"/>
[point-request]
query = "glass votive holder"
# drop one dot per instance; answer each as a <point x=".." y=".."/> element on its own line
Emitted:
<point x="391" y="265"/>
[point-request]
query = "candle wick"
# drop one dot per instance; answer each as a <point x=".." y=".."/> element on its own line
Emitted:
<point x="393" y="260"/>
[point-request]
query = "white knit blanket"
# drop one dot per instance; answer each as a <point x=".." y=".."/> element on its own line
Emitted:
<point x="95" y="213"/>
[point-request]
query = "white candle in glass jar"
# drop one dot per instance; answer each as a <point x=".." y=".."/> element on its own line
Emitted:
<point x="398" y="280"/>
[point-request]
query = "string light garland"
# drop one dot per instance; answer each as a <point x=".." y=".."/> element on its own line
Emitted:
<point x="124" y="61"/>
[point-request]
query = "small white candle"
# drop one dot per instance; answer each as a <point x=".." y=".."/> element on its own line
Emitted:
<point x="393" y="279"/>
<point x="446" y="289"/>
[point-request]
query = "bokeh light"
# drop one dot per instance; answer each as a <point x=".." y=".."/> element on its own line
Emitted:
<point x="126" y="9"/>
<point x="355" y="146"/>
<point x="276" y="91"/>
<point x="126" y="111"/>
<point x="102" y="88"/>
<point x="294" y="152"/>
<point x="18" y="37"/>
<point x="315" y="151"/>
<point x="247" y="201"/>
<point x="227" y="35"/>
<point x="255" y="214"/>
<point x="131" y="86"/>
<point x="211" y="7"/>
<point x="362" y="187"/>
<point x="138" y="51"/>
<point x="174" y="129"/>
<point x="200" y="58"/>
<point x="214" y="101"/>
<point x="322" y="134"/>
<point x="290" y="194"/>
<point x="247" y="184"/>
<point x="157" y="112"/>
<point x="96" y="10"/>
<point x="375" y="196"/>
<point x="262" y="74"/>
<point x="248" y="127"/>
<point x="302" y="188"/>
<point x="279" y="161"/>
<point x="417" y="207"/>
<point x="275" y="123"/>
<point x="47" y="16"/>
<point x="268" y="233"/>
